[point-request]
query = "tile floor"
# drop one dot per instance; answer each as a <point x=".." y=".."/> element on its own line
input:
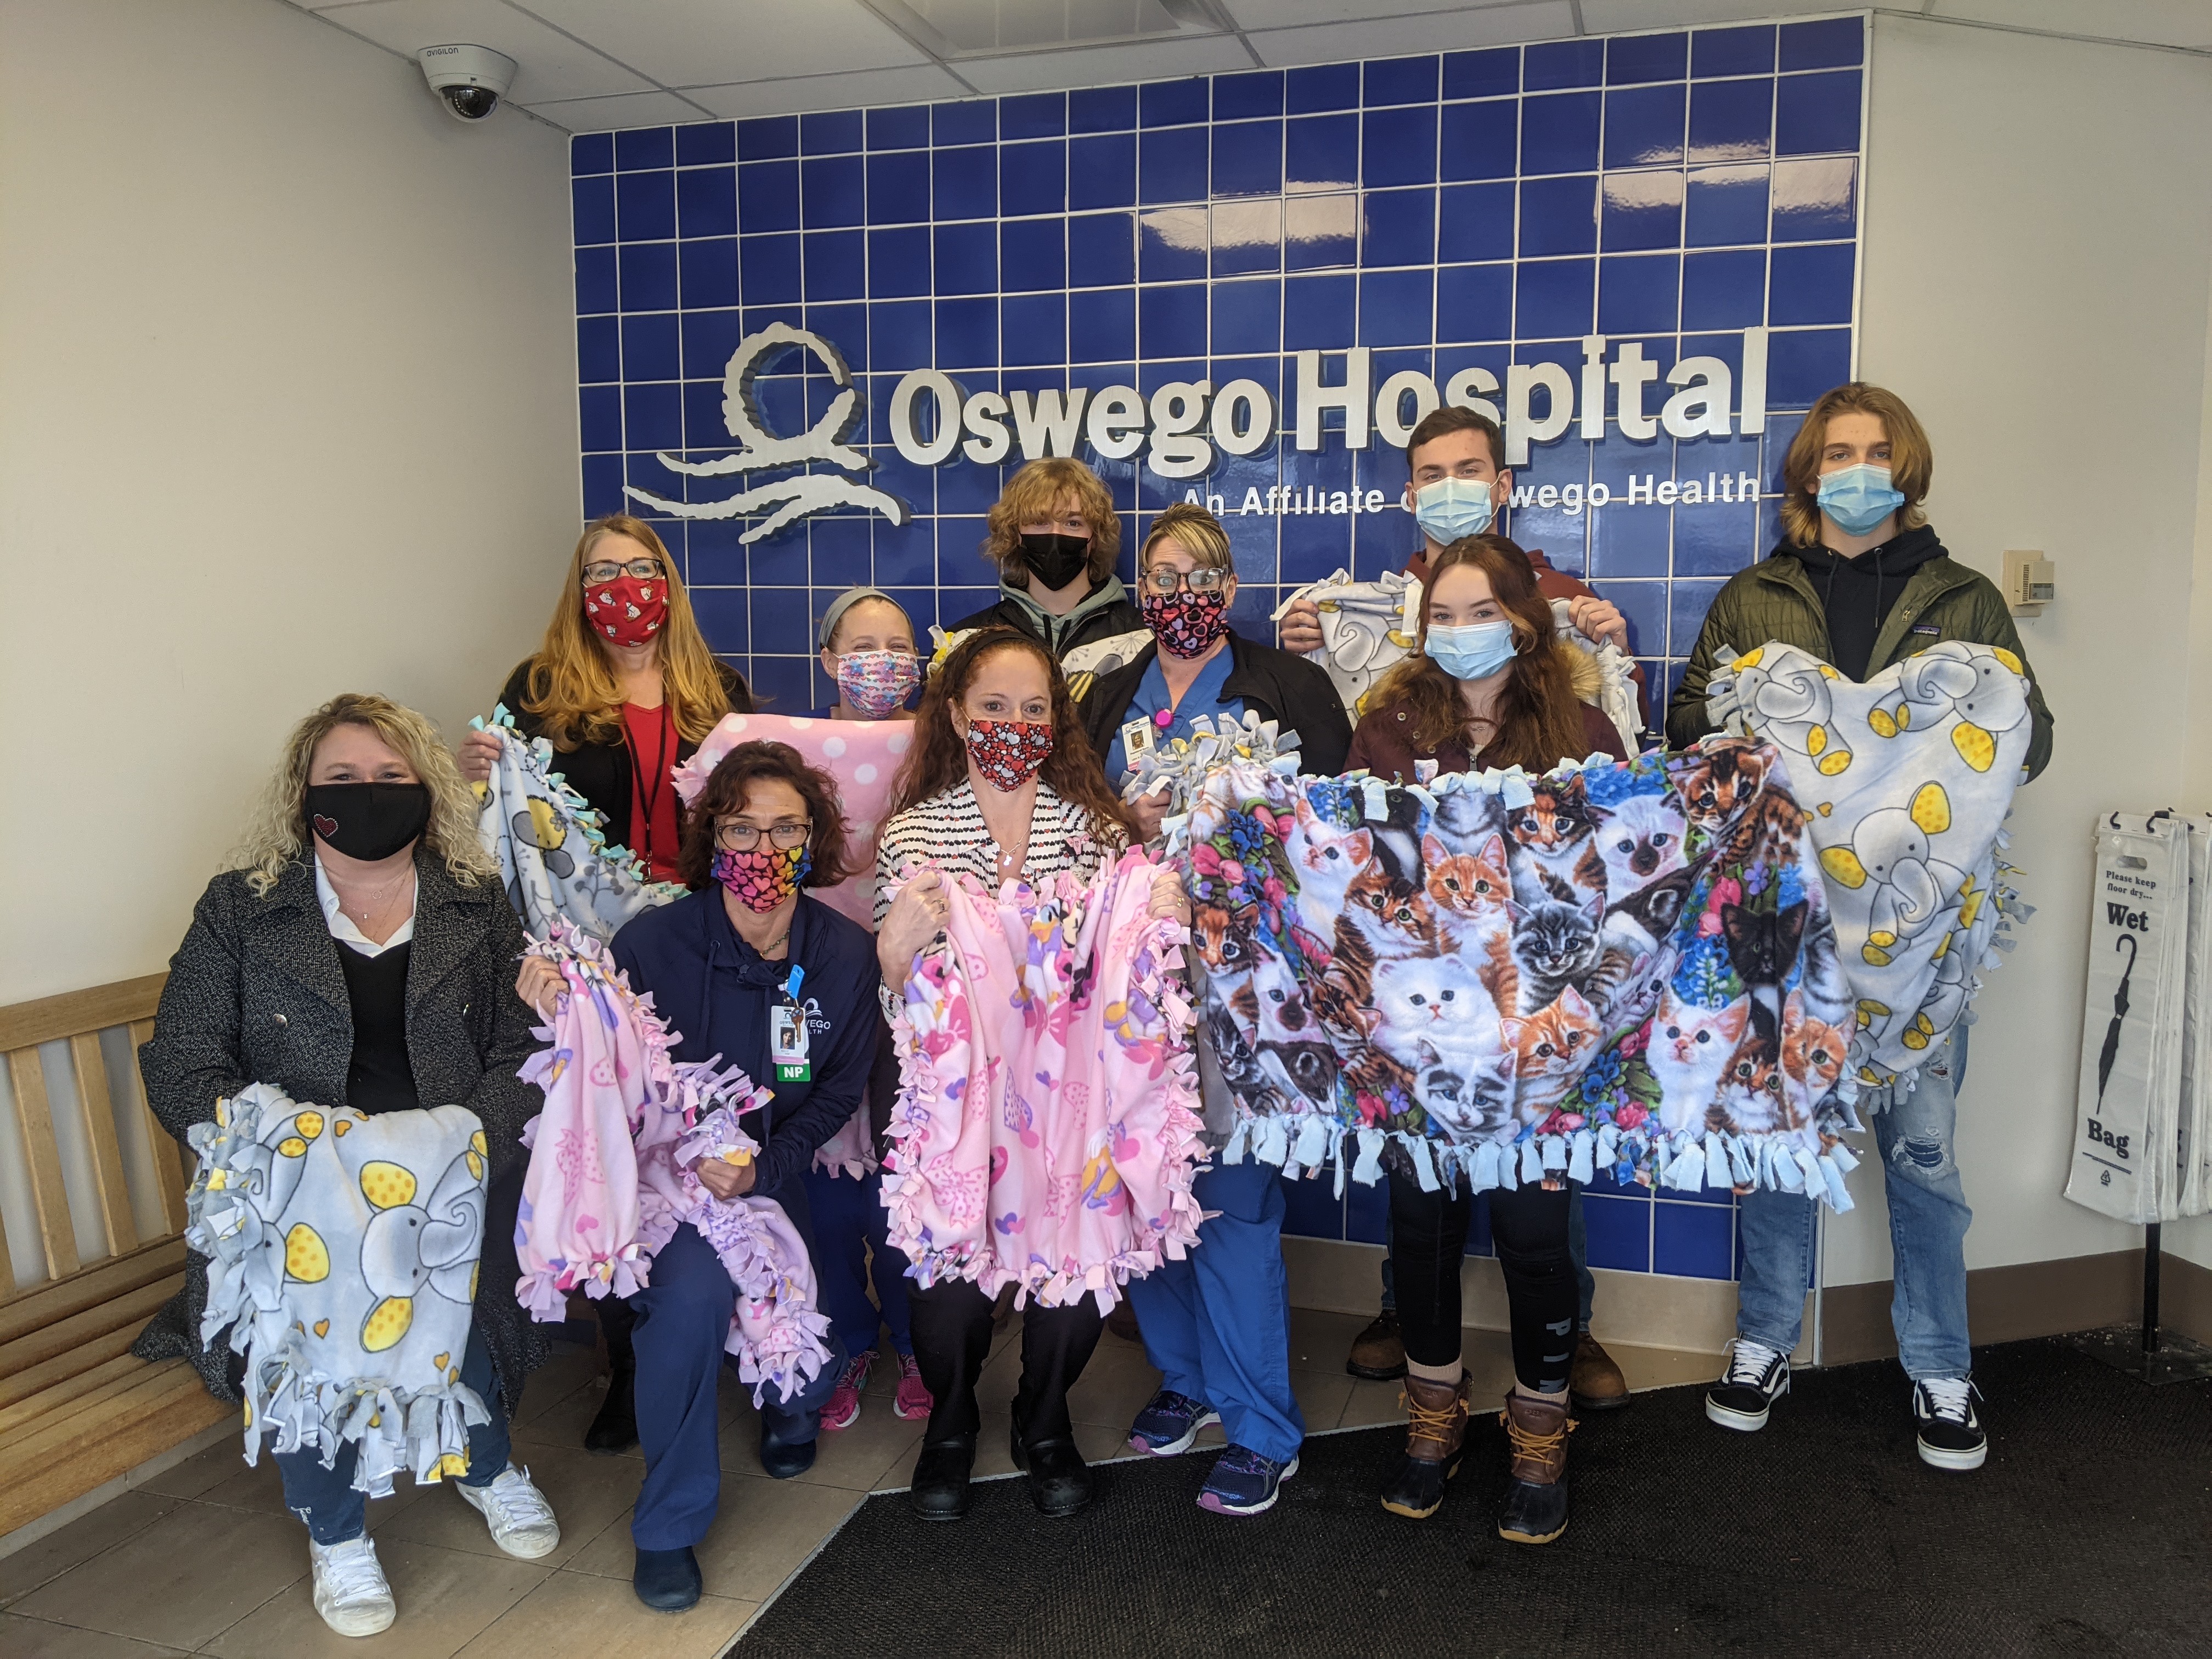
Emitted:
<point x="204" y="1558"/>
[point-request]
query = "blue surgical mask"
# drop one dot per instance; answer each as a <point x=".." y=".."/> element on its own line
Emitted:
<point x="1474" y="652"/>
<point x="1859" y="497"/>
<point x="1452" y="507"/>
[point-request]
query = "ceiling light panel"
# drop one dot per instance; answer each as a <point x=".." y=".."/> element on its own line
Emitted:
<point x="956" y="29"/>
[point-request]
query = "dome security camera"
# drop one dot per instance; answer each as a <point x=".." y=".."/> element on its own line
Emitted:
<point x="469" y="80"/>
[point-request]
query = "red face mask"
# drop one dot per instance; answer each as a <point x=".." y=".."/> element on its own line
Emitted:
<point x="1008" y="752"/>
<point x="629" y="610"/>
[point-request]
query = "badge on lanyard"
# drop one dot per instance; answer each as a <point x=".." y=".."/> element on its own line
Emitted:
<point x="787" y="1034"/>
<point x="1137" y="738"/>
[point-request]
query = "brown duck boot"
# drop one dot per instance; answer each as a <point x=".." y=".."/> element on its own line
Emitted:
<point x="1535" y="1507"/>
<point x="1595" y="1382"/>
<point x="1435" y="1429"/>
<point x="1378" y="1353"/>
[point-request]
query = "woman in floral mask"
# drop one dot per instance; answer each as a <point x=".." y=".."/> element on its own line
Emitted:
<point x="868" y="653"/>
<point x="750" y="967"/>
<point x="1000" y="786"/>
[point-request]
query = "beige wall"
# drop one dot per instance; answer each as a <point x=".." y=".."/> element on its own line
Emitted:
<point x="286" y="408"/>
<point x="2039" y="237"/>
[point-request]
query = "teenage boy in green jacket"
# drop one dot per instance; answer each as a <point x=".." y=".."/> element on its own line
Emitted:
<point x="1861" y="581"/>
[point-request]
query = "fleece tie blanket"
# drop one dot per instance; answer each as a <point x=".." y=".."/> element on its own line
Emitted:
<point x="862" y="758"/>
<point x="1367" y="629"/>
<point x="1514" y="979"/>
<point x="1906" y="780"/>
<point x="1178" y="766"/>
<point x="342" y="1255"/>
<point x="610" y="1171"/>
<point x="552" y="851"/>
<point x="1047" y="1121"/>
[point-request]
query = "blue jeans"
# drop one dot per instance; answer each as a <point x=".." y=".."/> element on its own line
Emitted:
<point x="1927" y="1222"/>
<point x="325" y="1497"/>
<point x="1217" y="1323"/>
<point x="850" y="1223"/>
<point x="1577" y="1247"/>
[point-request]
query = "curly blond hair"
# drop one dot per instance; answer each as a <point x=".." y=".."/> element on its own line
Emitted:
<point x="277" y="832"/>
<point x="1033" y="496"/>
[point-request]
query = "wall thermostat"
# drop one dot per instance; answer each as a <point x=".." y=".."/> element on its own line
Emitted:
<point x="2030" y="581"/>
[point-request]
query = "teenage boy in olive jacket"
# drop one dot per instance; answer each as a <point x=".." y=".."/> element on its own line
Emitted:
<point x="1861" y="581"/>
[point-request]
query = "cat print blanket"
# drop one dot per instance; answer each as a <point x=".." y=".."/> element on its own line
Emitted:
<point x="1047" y="1121"/>
<point x="341" y="1252"/>
<point x="862" y="758"/>
<point x="552" y="851"/>
<point x="1906" y="780"/>
<point x="1621" y="965"/>
<point x="610" y="1171"/>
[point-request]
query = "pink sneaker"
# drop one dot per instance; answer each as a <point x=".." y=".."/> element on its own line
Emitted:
<point x="844" y="1408"/>
<point x="912" y="1402"/>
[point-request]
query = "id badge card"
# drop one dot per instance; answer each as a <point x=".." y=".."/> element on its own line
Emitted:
<point x="1137" y="738"/>
<point x="787" y="1043"/>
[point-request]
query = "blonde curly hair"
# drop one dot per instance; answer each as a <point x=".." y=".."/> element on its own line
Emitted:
<point x="277" y="832"/>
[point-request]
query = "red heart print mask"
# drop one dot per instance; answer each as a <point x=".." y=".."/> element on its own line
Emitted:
<point x="1009" y="752"/>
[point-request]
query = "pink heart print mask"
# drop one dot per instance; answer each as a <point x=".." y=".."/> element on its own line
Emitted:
<point x="879" y="683"/>
<point x="1186" y="623"/>
<point x="763" y="877"/>
<point x="1009" y="752"/>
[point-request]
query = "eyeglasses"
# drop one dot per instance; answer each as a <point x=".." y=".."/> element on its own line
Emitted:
<point x="1164" y="579"/>
<point x="606" y="570"/>
<point x="733" y="837"/>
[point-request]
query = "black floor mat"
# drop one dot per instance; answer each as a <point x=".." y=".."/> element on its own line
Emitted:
<point x="2086" y="1533"/>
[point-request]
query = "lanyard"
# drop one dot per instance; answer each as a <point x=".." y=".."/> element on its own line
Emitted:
<point x="649" y="799"/>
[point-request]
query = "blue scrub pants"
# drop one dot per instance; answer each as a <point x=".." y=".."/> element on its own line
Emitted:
<point x="683" y="1319"/>
<point x="1217" y="1323"/>
<point x="849" y="1222"/>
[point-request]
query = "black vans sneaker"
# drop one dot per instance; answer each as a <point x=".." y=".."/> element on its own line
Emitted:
<point x="1951" y="1435"/>
<point x="1757" y="1376"/>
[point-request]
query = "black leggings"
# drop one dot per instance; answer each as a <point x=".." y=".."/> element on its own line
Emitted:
<point x="1528" y="1225"/>
<point x="952" y="1344"/>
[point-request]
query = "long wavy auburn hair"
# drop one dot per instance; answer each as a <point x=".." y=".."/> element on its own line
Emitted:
<point x="938" y="760"/>
<point x="277" y="833"/>
<point x="572" y="685"/>
<point x="1539" y="718"/>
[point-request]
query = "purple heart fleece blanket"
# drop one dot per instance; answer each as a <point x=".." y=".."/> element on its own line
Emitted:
<point x="1621" y="966"/>
<point x="610" y="1173"/>
<point x="1047" y="1121"/>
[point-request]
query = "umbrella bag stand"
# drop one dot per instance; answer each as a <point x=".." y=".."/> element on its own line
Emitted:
<point x="2143" y="1134"/>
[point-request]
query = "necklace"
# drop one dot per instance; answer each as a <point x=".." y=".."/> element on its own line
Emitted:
<point x="361" y="909"/>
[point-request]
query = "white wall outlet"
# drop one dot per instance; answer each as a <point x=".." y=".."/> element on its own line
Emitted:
<point x="2030" y="581"/>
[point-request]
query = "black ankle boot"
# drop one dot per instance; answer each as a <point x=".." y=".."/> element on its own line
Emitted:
<point x="940" y="1490"/>
<point x="615" y="1429"/>
<point x="1059" y="1480"/>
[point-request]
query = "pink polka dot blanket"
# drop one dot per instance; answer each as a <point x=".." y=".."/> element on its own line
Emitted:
<point x="1615" y="966"/>
<point x="1046" y="1123"/>
<point x="342" y="1255"/>
<point x="611" y="1174"/>
<point x="861" y="757"/>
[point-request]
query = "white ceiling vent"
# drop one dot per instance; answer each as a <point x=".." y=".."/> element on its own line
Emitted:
<point x="954" y="29"/>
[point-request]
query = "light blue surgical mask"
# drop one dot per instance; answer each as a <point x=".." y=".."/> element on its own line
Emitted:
<point x="1473" y="651"/>
<point x="1452" y="507"/>
<point x="1859" y="497"/>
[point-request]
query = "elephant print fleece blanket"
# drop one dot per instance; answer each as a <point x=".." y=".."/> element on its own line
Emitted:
<point x="1511" y="978"/>
<point x="610" y="1175"/>
<point x="1047" y="1121"/>
<point x="1906" y="780"/>
<point x="341" y="1252"/>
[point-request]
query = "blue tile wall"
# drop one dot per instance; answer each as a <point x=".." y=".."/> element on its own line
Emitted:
<point x="1449" y="212"/>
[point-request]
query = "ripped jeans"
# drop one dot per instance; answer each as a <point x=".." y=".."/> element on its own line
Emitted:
<point x="1927" y="1222"/>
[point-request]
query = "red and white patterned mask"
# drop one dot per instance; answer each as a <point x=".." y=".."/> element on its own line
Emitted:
<point x="629" y="610"/>
<point x="1009" y="752"/>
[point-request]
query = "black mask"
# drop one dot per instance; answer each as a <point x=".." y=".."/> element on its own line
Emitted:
<point x="1055" y="559"/>
<point x="367" y="821"/>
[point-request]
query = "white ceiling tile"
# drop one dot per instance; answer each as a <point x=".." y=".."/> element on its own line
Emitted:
<point x="1294" y="14"/>
<point x="553" y="65"/>
<point x="1608" y="16"/>
<point x="922" y="83"/>
<point x="705" y="43"/>
<point x="1106" y="66"/>
<point x="1548" y="19"/>
<point x="631" y="109"/>
<point x="2157" y="22"/>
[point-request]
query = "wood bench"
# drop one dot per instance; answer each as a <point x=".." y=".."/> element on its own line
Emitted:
<point x="76" y="1409"/>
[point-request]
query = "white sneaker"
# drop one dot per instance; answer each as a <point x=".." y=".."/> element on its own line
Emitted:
<point x="350" y="1591"/>
<point x="520" y="1519"/>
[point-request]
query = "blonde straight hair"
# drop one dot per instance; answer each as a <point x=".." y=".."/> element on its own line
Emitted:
<point x="1911" y="461"/>
<point x="571" y="686"/>
<point x="277" y="833"/>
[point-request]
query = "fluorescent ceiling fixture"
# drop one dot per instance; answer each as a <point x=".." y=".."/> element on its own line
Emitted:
<point x="954" y="29"/>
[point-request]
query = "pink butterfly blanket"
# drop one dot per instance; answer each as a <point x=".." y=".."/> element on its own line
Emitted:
<point x="1047" y="1124"/>
<point x="610" y="1175"/>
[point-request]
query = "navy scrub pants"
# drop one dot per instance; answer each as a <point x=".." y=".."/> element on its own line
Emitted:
<point x="852" y="1246"/>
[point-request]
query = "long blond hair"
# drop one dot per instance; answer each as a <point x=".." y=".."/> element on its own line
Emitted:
<point x="571" y="686"/>
<point x="1911" y="459"/>
<point x="276" y="834"/>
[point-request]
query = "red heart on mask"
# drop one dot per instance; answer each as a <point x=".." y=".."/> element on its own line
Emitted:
<point x="326" y="827"/>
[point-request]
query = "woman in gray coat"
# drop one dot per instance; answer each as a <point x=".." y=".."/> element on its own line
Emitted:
<point x="363" y="954"/>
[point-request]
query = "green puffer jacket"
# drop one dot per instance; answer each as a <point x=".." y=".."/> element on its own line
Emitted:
<point x="1775" y="599"/>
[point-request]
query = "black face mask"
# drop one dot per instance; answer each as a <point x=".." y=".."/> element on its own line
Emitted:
<point x="1056" y="560"/>
<point x="367" y="821"/>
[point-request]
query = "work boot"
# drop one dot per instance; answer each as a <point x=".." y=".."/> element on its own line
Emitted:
<point x="1378" y="1353"/>
<point x="1436" y="1430"/>
<point x="1535" y="1507"/>
<point x="1595" y="1381"/>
